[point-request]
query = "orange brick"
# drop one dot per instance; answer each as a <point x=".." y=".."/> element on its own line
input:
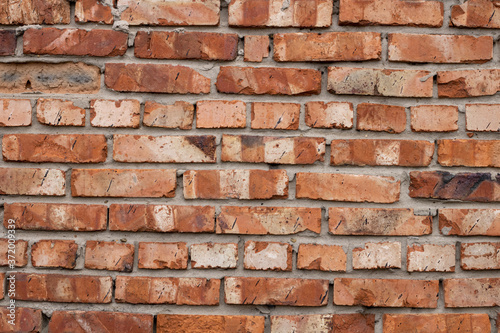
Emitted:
<point x="482" y="117"/>
<point x="329" y="115"/>
<point x="278" y="116"/>
<point x="54" y="253"/>
<point x="30" y="181"/>
<point x="467" y="293"/>
<point x="93" y="11"/>
<point x="332" y="323"/>
<point x="11" y="249"/>
<point x="79" y="321"/>
<point x="480" y="256"/>
<point x="438" y="323"/>
<point x="163" y="255"/>
<point x="168" y="323"/>
<point x="380" y="118"/>
<point x="329" y="258"/>
<point x="475" y="14"/>
<point x="469" y="222"/>
<point x="110" y="256"/>
<point x="24" y="319"/>
<point x="377" y="256"/>
<point x="265" y="256"/>
<point x="256" y="48"/>
<point x="214" y="255"/>
<point x="15" y="112"/>
<point x="468" y="83"/>
<point x="221" y="114"/>
<point x="471" y="153"/>
<point x="108" y="113"/>
<point x="434" y="118"/>
<point x="430" y="258"/>
<point x="178" y="115"/>
<point x="58" y="112"/>
<point x="35" y="12"/>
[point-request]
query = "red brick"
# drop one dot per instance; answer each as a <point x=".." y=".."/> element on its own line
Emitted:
<point x="221" y="114"/>
<point x="26" y="320"/>
<point x="346" y="187"/>
<point x="58" y="112"/>
<point x="468" y="83"/>
<point x="60" y="217"/>
<point x="462" y="186"/>
<point x="167" y="323"/>
<point x="265" y="256"/>
<point x="328" y="46"/>
<point x="178" y="115"/>
<point x="475" y="14"/>
<point x="171" y="13"/>
<point x="386" y="293"/>
<point x="166" y="290"/>
<point x="275" y="13"/>
<point x="469" y="222"/>
<point x="161" y="218"/>
<point x="329" y="258"/>
<point x="93" y="11"/>
<point x="185" y="45"/>
<point x="468" y="293"/>
<point x="235" y="184"/>
<point x="268" y="220"/>
<point x="54" y="253"/>
<point x="391" y="12"/>
<point x="164" y="149"/>
<point x="111" y="256"/>
<point x="273" y="291"/>
<point x="63" y="288"/>
<point x="480" y="256"/>
<point x="65" y="78"/>
<point x="447" y="49"/>
<point x="57" y="148"/>
<point x="100" y="321"/>
<point x="377" y="256"/>
<point x="278" y="116"/>
<point x="379" y="82"/>
<point x="430" y="258"/>
<point x="471" y="153"/>
<point x="272" y="150"/>
<point x="76" y="42"/>
<point x="145" y="183"/>
<point x="437" y="323"/>
<point x="434" y="118"/>
<point x="380" y="118"/>
<point x="30" y="181"/>
<point x="482" y="117"/>
<point x="327" y="323"/>
<point x="329" y="115"/>
<point x="256" y="48"/>
<point x="15" y="112"/>
<point x="268" y="80"/>
<point x="366" y="221"/>
<point x="163" y="255"/>
<point x="214" y="255"/>
<point x="35" y="12"/>
<point x="110" y="113"/>
<point x="2" y="285"/>
<point x="155" y="78"/>
<point x="8" y="42"/>
<point x="11" y="249"/>
<point x="381" y="152"/>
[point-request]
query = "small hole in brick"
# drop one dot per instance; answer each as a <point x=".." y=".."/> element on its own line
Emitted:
<point x="28" y="85"/>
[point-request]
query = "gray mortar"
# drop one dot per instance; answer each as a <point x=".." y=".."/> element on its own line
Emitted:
<point x="210" y="69"/>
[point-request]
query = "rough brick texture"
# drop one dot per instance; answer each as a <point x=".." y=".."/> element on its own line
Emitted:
<point x="439" y="323"/>
<point x="434" y="118"/>
<point x="162" y="255"/>
<point x="54" y="253"/>
<point x="380" y="118"/>
<point x="57" y="112"/>
<point x="209" y="324"/>
<point x="340" y="323"/>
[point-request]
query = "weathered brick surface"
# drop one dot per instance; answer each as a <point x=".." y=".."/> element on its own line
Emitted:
<point x="221" y="114"/>
<point x="465" y="293"/>
<point x="469" y="222"/>
<point x="168" y="323"/>
<point x="77" y="42"/>
<point x="430" y="258"/>
<point x="386" y="293"/>
<point x="381" y="152"/>
<point x="100" y="321"/>
<point x="277" y="116"/>
<point x="471" y="153"/>
<point x="8" y="42"/>
<point x="149" y="183"/>
<point x="268" y="80"/>
<point x="93" y="11"/>
<point x="15" y="112"/>
<point x="17" y="249"/>
<point x="377" y="256"/>
<point x="468" y="83"/>
<point x="155" y="78"/>
<point x="328" y="323"/>
<point x="34" y="12"/>
<point x="479" y="256"/>
<point x="268" y="256"/>
<point x="379" y="82"/>
<point x="30" y="181"/>
<point x="161" y="218"/>
<point x="275" y="291"/>
<point x="163" y="255"/>
<point x="54" y="253"/>
<point x="268" y="220"/>
<point x="434" y="118"/>
<point x="177" y="115"/>
<point x="77" y="148"/>
<point x="2" y="287"/>
<point x="329" y="46"/>
<point x="56" y="217"/>
<point x="366" y="221"/>
<point x="185" y="45"/>
<point x="214" y="255"/>
<point x="380" y="118"/>
<point x="475" y="14"/>
<point x="235" y="184"/>
<point x="256" y="48"/>
<point x="166" y="290"/>
<point x="482" y="117"/>
<point x="110" y="256"/>
<point x="346" y="187"/>
<point x="25" y="320"/>
<point x="109" y="113"/>
<point x="58" y="112"/>
<point x="330" y="258"/>
<point x="329" y="115"/>
<point x="437" y="323"/>
<point x="274" y="13"/>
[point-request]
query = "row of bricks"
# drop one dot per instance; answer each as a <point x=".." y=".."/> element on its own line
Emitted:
<point x="263" y="256"/>
<point x="245" y="184"/>
<point x="30" y="320"/>
<point x="247" y="13"/>
<point x="81" y="78"/>
<point x="328" y="46"/>
<point x="264" y="115"/>
<point x="92" y="148"/>
<point x="246" y="220"/>
<point x="480" y="292"/>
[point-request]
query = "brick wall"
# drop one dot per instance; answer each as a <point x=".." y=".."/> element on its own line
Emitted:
<point x="250" y="166"/>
